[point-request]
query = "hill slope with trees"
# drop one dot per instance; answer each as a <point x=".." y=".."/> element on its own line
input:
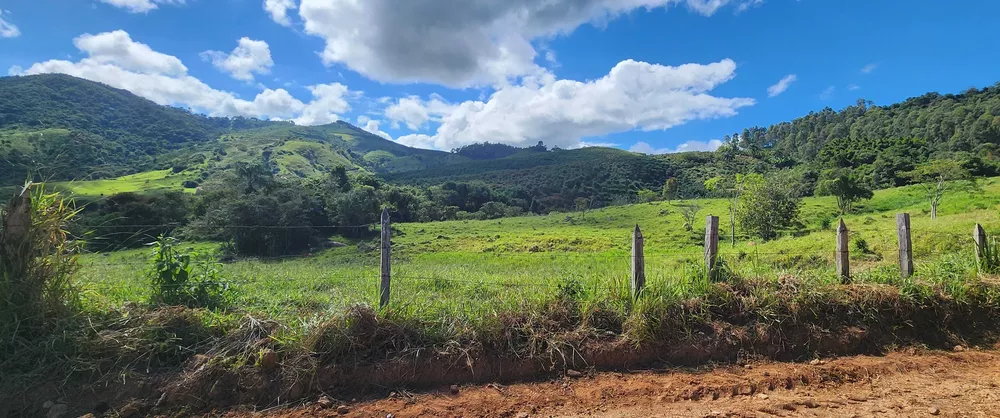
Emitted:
<point x="61" y="127"/>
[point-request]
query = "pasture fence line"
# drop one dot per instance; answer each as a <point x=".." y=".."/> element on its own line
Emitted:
<point x="638" y="265"/>
<point x="638" y="260"/>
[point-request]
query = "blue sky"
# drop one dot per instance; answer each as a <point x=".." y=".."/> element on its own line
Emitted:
<point x="663" y="74"/>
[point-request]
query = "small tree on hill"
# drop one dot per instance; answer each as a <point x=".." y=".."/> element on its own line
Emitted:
<point x="670" y="189"/>
<point x="732" y="188"/>
<point x="766" y="208"/>
<point x="646" y="195"/>
<point x="846" y="186"/>
<point x="689" y="212"/>
<point x="939" y="176"/>
<point x="582" y="204"/>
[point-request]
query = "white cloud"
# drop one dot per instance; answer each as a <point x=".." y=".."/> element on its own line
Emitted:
<point x="119" y="49"/>
<point x="249" y="57"/>
<point x="7" y="29"/>
<point x="853" y="87"/>
<point x="114" y="59"/>
<point x="645" y="148"/>
<point x="781" y="85"/>
<point x="415" y="112"/>
<point x="371" y="126"/>
<point x="328" y="100"/>
<point x="457" y="43"/>
<point x="828" y="93"/>
<point x="278" y="9"/>
<point x="869" y="68"/>
<point x="747" y="5"/>
<point x="140" y="6"/>
<point x="634" y="95"/>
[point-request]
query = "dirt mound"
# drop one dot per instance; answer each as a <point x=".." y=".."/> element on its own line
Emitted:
<point x="898" y="384"/>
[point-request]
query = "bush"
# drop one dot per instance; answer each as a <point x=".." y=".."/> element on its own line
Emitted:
<point x="128" y="220"/>
<point x="177" y="282"/>
<point x="37" y="262"/>
<point x="766" y="208"/>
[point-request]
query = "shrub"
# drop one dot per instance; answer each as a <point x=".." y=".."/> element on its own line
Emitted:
<point x="128" y="220"/>
<point x="766" y="208"/>
<point x="181" y="278"/>
<point x="37" y="262"/>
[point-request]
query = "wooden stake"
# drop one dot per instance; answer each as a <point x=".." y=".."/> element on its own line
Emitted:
<point x="711" y="244"/>
<point x="386" y="265"/>
<point x="842" y="257"/>
<point x="905" y="245"/>
<point x="638" y="263"/>
<point x="979" y="237"/>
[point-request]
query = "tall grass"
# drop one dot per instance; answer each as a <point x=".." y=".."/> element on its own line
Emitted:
<point x="37" y="263"/>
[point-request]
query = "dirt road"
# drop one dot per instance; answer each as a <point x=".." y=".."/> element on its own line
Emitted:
<point x="917" y="384"/>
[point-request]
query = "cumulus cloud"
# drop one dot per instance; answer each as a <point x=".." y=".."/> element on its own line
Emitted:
<point x="249" y="57"/>
<point x="634" y="95"/>
<point x="457" y="43"/>
<point x="781" y="85"/>
<point x="869" y="68"/>
<point x="140" y="6"/>
<point x="645" y="148"/>
<point x="278" y="9"/>
<point x="7" y="29"/>
<point x="371" y="125"/>
<point x="415" y="113"/>
<point x="853" y="87"/>
<point x="116" y="60"/>
<point x="119" y="49"/>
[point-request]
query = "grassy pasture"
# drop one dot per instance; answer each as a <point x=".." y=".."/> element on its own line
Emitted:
<point x="159" y="180"/>
<point x="469" y="270"/>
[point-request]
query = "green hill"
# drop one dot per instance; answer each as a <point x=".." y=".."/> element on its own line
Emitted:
<point x="60" y="127"/>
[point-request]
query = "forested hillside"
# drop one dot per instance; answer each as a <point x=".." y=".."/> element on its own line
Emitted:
<point x="882" y="142"/>
<point x="878" y="146"/>
<point x="60" y="127"/>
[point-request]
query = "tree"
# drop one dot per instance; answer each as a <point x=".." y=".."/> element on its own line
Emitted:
<point x="253" y="175"/>
<point x="689" y="212"/>
<point x="582" y="204"/>
<point x="767" y="207"/>
<point x="846" y="186"/>
<point x="646" y="195"/>
<point x="670" y="189"/>
<point x="939" y="176"/>
<point x="732" y="188"/>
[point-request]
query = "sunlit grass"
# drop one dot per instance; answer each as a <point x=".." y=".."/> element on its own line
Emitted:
<point x="141" y="182"/>
<point x="468" y="270"/>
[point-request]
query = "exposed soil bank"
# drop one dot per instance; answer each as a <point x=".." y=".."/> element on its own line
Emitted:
<point x="907" y="384"/>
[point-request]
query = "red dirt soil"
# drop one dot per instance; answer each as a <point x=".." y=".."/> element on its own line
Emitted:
<point x="910" y="383"/>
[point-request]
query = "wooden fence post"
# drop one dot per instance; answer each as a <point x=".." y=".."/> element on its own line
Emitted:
<point x="711" y="244"/>
<point x="905" y="245"/>
<point x="638" y="263"/>
<point x="386" y="265"/>
<point x="842" y="257"/>
<point x="979" y="237"/>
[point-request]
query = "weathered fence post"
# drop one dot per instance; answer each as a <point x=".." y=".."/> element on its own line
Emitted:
<point x="638" y="263"/>
<point x="979" y="237"/>
<point x="386" y="265"/>
<point x="905" y="245"/>
<point x="843" y="259"/>
<point x="711" y="244"/>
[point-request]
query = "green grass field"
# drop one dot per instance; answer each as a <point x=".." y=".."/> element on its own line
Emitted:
<point x="159" y="180"/>
<point x="469" y="269"/>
